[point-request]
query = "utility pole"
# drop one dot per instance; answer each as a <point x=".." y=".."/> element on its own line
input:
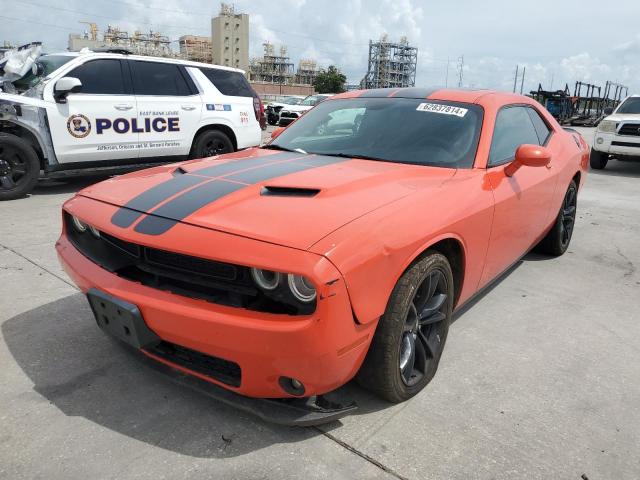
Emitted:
<point x="460" y="71"/>
<point x="524" y="69"/>
<point x="515" y="79"/>
<point x="446" y="78"/>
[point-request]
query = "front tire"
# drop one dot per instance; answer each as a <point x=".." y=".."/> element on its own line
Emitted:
<point x="19" y="167"/>
<point x="211" y="143"/>
<point x="557" y="240"/>
<point x="410" y="337"/>
<point x="598" y="160"/>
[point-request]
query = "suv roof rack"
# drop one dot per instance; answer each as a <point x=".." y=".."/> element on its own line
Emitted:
<point x="120" y="50"/>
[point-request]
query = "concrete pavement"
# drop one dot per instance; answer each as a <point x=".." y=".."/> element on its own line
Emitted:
<point x="540" y="378"/>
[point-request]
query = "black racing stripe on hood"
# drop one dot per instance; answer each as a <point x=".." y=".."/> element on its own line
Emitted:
<point x="193" y="200"/>
<point x="184" y="205"/>
<point x="130" y="212"/>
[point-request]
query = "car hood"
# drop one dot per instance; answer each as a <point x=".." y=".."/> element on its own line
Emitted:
<point x="624" y="117"/>
<point x="285" y="198"/>
<point x="297" y="108"/>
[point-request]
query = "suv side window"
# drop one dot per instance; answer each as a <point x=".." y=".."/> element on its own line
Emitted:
<point x="540" y="125"/>
<point x="103" y="77"/>
<point x="229" y="83"/>
<point x="513" y="128"/>
<point x="155" y="78"/>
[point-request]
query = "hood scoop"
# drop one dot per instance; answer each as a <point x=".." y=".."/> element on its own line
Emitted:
<point x="271" y="191"/>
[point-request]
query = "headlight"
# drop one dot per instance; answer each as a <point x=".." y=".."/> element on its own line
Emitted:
<point x="94" y="231"/>
<point x="266" y="279"/>
<point x="79" y="224"/>
<point x="607" y="126"/>
<point x="301" y="288"/>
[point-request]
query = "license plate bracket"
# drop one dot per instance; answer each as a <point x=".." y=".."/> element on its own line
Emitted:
<point x="121" y="319"/>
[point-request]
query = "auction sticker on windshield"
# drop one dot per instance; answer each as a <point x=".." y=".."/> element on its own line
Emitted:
<point x="444" y="109"/>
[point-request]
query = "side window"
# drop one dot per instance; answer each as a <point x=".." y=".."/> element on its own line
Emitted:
<point x="162" y="79"/>
<point x="513" y="128"/>
<point x="541" y="127"/>
<point x="228" y="82"/>
<point x="100" y="77"/>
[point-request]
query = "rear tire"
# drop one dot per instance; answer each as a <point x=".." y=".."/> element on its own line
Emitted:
<point x="410" y="337"/>
<point x="211" y="143"/>
<point x="557" y="240"/>
<point x="19" y="167"/>
<point x="598" y="160"/>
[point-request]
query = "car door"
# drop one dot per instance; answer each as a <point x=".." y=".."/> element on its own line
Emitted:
<point x="169" y="108"/>
<point x="94" y="123"/>
<point x="522" y="201"/>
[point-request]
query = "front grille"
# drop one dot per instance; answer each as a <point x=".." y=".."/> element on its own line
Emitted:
<point x="288" y="115"/>
<point x="219" y="369"/>
<point x="631" y="129"/>
<point x="625" y="144"/>
<point x="216" y="282"/>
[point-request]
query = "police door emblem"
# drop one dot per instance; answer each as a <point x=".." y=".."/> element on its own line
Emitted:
<point x="79" y="126"/>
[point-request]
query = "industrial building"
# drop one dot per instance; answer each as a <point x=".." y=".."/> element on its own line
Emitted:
<point x="196" y="48"/>
<point x="272" y="68"/>
<point x="152" y="44"/>
<point x="230" y="38"/>
<point x="307" y="71"/>
<point x="391" y="65"/>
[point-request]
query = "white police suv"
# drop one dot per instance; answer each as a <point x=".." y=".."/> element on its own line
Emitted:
<point x="618" y="134"/>
<point x="106" y="112"/>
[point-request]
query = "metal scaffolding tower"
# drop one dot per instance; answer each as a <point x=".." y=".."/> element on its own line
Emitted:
<point x="391" y="65"/>
<point x="271" y="67"/>
<point x="307" y="71"/>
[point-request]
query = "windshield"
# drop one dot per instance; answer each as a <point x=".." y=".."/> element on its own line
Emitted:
<point x="50" y="63"/>
<point x="291" y="101"/>
<point x="630" y="105"/>
<point x="312" y="100"/>
<point x="403" y="130"/>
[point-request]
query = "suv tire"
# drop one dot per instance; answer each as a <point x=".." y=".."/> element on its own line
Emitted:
<point x="211" y="143"/>
<point x="19" y="167"/>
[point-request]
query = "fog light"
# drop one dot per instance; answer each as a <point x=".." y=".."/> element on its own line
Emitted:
<point x="599" y="140"/>
<point x="291" y="386"/>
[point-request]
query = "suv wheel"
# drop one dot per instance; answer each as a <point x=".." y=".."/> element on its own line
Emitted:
<point x="211" y="143"/>
<point x="598" y="160"/>
<point x="19" y="167"/>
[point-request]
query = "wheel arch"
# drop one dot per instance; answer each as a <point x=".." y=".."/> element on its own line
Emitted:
<point x="226" y="129"/>
<point x="452" y="247"/>
<point x="29" y="137"/>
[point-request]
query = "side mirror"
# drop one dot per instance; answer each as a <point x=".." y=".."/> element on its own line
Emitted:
<point x="529" y="156"/>
<point x="64" y="87"/>
<point x="608" y="111"/>
<point x="277" y="132"/>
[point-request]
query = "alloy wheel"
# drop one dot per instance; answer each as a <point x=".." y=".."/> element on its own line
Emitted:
<point x="421" y="340"/>
<point x="568" y="215"/>
<point x="13" y="168"/>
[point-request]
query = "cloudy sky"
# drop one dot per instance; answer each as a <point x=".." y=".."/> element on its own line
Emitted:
<point x="557" y="40"/>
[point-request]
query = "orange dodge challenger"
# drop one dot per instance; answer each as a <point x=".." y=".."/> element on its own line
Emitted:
<point x="272" y="276"/>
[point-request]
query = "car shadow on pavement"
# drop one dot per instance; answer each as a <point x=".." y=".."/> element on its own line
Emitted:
<point x="68" y="185"/>
<point x="84" y="373"/>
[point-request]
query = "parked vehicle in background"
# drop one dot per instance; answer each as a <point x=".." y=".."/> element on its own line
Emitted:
<point x="106" y="112"/>
<point x="293" y="112"/>
<point x="618" y="134"/>
<point x="273" y="108"/>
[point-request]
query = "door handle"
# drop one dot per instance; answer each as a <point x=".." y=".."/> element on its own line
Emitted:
<point x="123" y="107"/>
<point x="188" y="108"/>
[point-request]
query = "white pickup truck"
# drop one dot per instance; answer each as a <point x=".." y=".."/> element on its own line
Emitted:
<point x="618" y="134"/>
<point x="106" y="112"/>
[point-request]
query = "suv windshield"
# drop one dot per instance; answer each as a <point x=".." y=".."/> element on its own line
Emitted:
<point x="404" y="130"/>
<point x="312" y="100"/>
<point x="630" y="105"/>
<point x="50" y="63"/>
<point x="291" y="101"/>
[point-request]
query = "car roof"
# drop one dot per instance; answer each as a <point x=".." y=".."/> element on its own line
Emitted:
<point x="463" y="95"/>
<point x="177" y="61"/>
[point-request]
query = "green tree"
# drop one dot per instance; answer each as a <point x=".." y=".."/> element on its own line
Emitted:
<point x="330" y="80"/>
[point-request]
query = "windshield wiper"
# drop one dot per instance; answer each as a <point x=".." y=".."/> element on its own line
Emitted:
<point x="356" y="156"/>
<point x="284" y="149"/>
